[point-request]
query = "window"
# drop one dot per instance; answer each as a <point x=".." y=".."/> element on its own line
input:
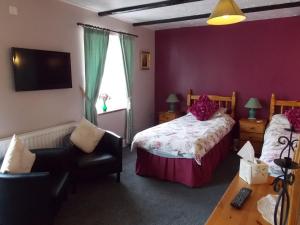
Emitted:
<point x="113" y="81"/>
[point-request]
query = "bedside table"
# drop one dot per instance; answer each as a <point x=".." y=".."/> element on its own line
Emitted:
<point x="253" y="131"/>
<point x="168" y="116"/>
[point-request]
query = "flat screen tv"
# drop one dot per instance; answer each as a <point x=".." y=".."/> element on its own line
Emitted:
<point x="41" y="70"/>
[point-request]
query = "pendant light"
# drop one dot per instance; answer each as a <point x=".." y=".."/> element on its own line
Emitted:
<point x="226" y="12"/>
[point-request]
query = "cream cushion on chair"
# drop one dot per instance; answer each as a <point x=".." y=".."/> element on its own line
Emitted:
<point x="17" y="159"/>
<point x="86" y="136"/>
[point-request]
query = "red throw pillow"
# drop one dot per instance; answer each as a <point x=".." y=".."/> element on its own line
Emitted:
<point x="203" y="108"/>
<point x="293" y="116"/>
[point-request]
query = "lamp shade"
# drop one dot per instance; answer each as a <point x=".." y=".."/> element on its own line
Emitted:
<point x="172" y="98"/>
<point x="253" y="103"/>
<point x="226" y="12"/>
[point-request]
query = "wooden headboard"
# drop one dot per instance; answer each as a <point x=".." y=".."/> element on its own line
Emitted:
<point x="223" y="101"/>
<point x="281" y="104"/>
<point x="294" y="216"/>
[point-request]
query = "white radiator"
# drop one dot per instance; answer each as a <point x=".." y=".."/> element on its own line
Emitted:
<point x="47" y="138"/>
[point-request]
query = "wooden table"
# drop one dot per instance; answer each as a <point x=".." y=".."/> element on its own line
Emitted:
<point x="225" y="214"/>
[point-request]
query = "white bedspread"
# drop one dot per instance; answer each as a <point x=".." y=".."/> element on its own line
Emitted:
<point x="272" y="148"/>
<point x="184" y="137"/>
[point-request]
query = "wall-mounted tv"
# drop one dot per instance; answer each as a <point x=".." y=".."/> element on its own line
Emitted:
<point x="41" y="70"/>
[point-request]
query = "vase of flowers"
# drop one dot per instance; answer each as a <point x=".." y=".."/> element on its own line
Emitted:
<point x="104" y="98"/>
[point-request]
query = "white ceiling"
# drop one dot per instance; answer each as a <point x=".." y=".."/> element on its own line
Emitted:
<point x="186" y="9"/>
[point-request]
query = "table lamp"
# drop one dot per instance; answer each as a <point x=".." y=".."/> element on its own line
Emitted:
<point x="172" y="100"/>
<point x="252" y="105"/>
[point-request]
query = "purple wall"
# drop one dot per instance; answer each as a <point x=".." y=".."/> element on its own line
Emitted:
<point x="252" y="58"/>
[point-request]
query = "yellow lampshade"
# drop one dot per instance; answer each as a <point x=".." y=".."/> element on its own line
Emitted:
<point x="226" y="12"/>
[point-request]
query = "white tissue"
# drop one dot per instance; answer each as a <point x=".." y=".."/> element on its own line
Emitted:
<point x="252" y="170"/>
<point x="247" y="152"/>
<point x="266" y="207"/>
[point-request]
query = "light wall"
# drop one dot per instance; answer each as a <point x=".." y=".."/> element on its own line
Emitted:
<point x="51" y="25"/>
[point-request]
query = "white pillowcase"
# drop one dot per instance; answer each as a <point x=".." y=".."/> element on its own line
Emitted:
<point x="86" y="136"/>
<point x="280" y="119"/>
<point x="220" y="112"/>
<point x="17" y="159"/>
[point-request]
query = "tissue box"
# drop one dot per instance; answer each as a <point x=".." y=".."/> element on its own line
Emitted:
<point x="253" y="173"/>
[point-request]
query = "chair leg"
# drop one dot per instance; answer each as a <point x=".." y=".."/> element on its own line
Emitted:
<point x="118" y="177"/>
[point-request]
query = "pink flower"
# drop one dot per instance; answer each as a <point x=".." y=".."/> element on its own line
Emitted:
<point x="104" y="97"/>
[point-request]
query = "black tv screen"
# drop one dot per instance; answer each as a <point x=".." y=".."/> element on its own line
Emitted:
<point x="41" y="70"/>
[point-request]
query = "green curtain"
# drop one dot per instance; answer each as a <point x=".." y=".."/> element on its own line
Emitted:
<point x="95" y="49"/>
<point x="127" y="52"/>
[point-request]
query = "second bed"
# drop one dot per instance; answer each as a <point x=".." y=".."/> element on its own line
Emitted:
<point x="277" y="127"/>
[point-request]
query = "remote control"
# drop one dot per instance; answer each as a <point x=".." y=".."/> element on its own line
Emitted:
<point x="241" y="197"/>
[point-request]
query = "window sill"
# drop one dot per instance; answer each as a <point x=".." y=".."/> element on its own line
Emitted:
<point x="111" y="111"/>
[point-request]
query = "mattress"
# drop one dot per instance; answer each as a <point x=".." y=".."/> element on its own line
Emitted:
<point x="184" y="137"/>
<point x="272" y="148"/>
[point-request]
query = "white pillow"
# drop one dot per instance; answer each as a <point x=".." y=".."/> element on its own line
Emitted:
<point x="86" y="136"/>
<point x="220" y="112"/>
<point x="280" y="119"/>
<point x="17" y="159"/>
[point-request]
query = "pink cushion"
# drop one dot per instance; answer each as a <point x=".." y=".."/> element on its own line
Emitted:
<point x="293" y="116"/>
<point x="203" y="108"/>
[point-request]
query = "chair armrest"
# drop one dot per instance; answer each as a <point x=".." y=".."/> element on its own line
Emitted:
<point x="111" y="143"/>
<point x="24" y="176"/>
<point x="20" y="182"/>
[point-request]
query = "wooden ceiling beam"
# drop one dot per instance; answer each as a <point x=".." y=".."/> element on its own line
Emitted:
<point x="152" y="5"/>
<point x="206" y="15"/>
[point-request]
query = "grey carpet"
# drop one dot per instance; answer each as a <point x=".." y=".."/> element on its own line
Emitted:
<point x="144" y="201"/>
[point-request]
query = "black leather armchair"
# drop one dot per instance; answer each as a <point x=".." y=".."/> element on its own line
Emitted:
<point x="105" y="159"/>
<point x="25" y="199"/>
<point x="33" y="198"/>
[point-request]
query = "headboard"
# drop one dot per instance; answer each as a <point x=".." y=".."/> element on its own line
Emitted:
<point x="294" y="215"/>
<point x="223" y="101"/>
<point x="281" y="104"/>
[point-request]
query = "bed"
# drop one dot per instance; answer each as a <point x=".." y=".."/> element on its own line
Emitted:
<point x="186" y="150"/>
<point x="278" y="122"/>
<point x="294" y="216"/>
